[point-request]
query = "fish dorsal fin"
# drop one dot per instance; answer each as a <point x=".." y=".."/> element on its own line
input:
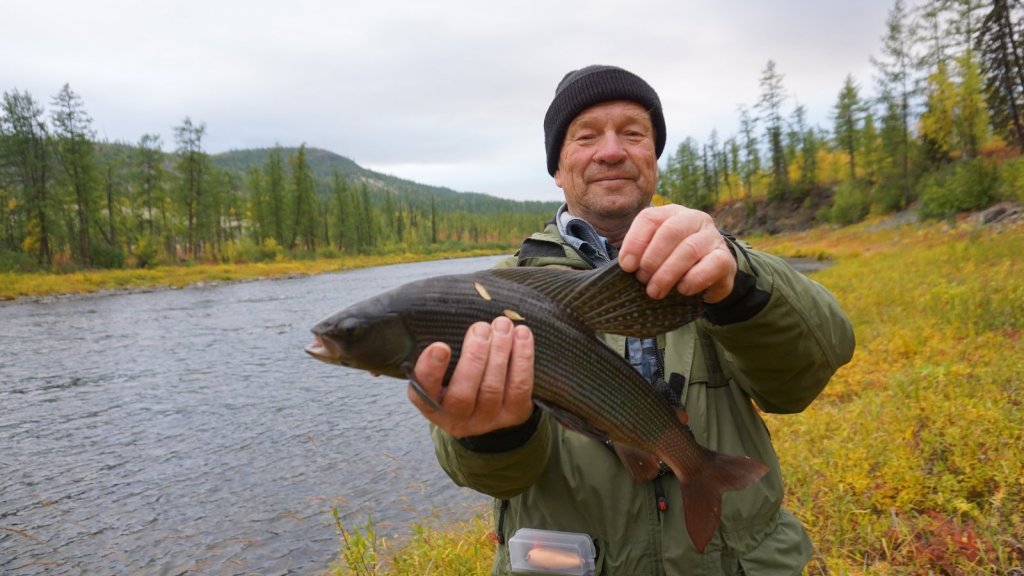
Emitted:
<point x="608" y="299"/>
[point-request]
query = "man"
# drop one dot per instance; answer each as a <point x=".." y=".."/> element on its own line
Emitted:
<point x="768" y="334"/>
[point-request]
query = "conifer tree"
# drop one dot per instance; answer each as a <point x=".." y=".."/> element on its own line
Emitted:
<point x="848" y="111"/>
<point x="73" y="142"/>
<point x="937" y="121"/>
<point x="895" y="68"/>
<point x="192" y="168"/>
<point x="972" y="116"/>
<point x="149" y="176"/>
<point x="1002" y="63"/>
<point x="273" y="171"/>
<point x="770" y="106"/>
<point x="750" y="166"/>
<point x="305" y="211"/>
<point x="25" y="151"/>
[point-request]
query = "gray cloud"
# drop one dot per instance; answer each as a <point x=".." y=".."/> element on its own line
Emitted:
<point x="450" y="92"/>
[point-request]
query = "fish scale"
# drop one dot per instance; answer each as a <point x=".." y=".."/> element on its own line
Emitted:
<point x="582" y="382"/>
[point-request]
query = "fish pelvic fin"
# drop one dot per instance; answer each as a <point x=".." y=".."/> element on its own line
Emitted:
<point x="640" y="465"/>
<point x="609" y="299"/>
<point x="702" y="493"/>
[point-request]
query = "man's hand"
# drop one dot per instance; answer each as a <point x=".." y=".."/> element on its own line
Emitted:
<point x="674" y="247"/>
<point x="492" y="385"/>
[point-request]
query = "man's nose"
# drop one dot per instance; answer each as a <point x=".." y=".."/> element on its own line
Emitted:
<point x="610" y="149"/>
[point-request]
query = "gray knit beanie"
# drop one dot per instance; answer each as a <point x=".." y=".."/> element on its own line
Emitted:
<point x="586" y="87"/>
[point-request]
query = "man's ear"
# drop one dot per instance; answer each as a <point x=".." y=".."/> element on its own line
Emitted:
<point x="558" y="177"/>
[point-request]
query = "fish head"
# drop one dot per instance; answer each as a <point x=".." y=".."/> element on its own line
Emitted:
<point x="365" y="336"/>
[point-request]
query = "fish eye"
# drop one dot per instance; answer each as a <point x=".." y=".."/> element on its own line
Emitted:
<point x="352" y="329"/>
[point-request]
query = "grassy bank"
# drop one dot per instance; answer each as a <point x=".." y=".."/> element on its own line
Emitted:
<point x="912" y="460"/>
<point x="15" y="285"/>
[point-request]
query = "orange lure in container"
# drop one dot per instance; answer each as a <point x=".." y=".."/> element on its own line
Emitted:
<point x="550" y="552"/>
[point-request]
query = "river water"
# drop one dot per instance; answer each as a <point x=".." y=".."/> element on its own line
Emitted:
<point x="186" y="431"/>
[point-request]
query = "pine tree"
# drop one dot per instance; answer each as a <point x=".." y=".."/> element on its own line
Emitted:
<point x="848" y="111"/>
<point x="149" y="180"/>
<point x="73" y="135"/>
<point x="937" y="121"/>
<point x="896" y="83"/>
<point x="304" y="205"/>
<point x="1002" y="63"/>
<point x="972" y="116"/>
<point x="26" y="153"/>
<point x="751" y="163"/>
<point x="192" y="168"/>
<point x="770" y="106"/>
<point x="273" y="171"/>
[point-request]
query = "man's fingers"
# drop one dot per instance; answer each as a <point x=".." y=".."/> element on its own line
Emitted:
<point x="519" y="391"/>
<point x="713" y="276"/>
<point x="687" y="253"/>
<point x="429" y="374"/>
<point x="492" y="388"/>
<point x="460" y="398"/>
<point x="637" y="238"/>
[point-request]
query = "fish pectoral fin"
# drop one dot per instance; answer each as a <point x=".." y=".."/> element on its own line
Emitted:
<point x="418" y="389"/>
<point x="572" y="421"/>
<point x="640" y="465"/>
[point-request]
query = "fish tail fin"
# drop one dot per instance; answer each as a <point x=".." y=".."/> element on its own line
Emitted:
<point x="702" y="494"/>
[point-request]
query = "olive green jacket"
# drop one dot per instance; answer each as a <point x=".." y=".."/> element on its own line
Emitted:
<point x="780" y="358"/>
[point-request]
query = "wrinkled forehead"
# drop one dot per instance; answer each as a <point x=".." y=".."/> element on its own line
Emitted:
<point x="615" y="111"/>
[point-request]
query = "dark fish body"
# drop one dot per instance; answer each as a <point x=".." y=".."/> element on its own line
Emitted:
<point x="577" y="378"/>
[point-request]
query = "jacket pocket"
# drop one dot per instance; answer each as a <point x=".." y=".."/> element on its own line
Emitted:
<point x="784" y="551"/>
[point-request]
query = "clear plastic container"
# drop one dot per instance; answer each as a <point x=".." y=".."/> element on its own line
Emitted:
<point x="534" y="551"/>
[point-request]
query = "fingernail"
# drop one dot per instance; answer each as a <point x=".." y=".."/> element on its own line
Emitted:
<point x="522" y="333"/>
<point x="502" y="325"/>
<point x="482" y="331"/>
<point x="437" y="354"/>
<point x="627" y="262"/>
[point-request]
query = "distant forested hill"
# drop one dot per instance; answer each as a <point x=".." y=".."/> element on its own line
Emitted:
<point x="324" y="163"/>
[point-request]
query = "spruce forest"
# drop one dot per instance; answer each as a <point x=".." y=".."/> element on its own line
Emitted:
<point x="942" y="130"/>
<point x="68" y="202"/>
<point x="939" y="127"/>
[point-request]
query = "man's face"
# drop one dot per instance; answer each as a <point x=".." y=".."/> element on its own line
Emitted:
<point x="608" y="168"/>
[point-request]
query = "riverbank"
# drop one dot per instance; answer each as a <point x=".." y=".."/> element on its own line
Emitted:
<point x="912" y="459"/>
<point x="34" y="285"/>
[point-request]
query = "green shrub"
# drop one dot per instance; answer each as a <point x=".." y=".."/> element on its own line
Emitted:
<point x="106" y="256"/>
<point x="246" y="251"/>
<point x="887" y="196"/>
<point x="11" y="261"/>
<point x="967" y="185"/>
<point x="1011" y="180"/>
<point x="146" y="252"/>
<point x="850" y="204"/>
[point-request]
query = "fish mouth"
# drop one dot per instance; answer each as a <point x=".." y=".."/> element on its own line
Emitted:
<point x="324" y="349"/>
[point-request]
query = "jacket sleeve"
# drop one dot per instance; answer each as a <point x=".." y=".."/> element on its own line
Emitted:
<point x="501" y="474"/>
<point x="783" y="336"/>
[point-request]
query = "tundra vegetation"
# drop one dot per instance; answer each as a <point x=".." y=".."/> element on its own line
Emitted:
<point x="912" y="459"/>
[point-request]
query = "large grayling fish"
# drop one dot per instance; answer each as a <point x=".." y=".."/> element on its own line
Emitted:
<point x="577" y="378"/>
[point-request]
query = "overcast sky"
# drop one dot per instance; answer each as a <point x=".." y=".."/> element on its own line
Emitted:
<point x="444" y="92"/>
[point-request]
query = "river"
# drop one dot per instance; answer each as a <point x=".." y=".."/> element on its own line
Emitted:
<point x="186" y="431"/>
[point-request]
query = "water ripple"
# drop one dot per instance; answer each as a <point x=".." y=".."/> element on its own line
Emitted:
<point x="180" y="431"/>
